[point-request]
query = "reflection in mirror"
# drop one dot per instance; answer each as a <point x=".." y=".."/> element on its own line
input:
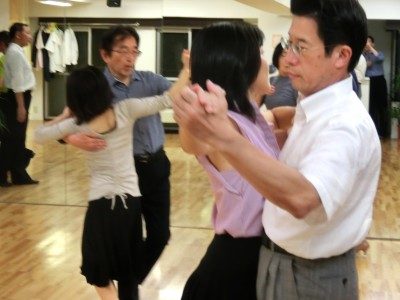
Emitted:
<point x="191" y="197"/>
<point x="48" y="98"/>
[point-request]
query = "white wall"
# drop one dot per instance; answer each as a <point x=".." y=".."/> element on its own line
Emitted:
<point x="146" y="61"/>
<point x="4" y="15"/>
<point x="381" y="9"/>
<point x="270" y="24"/>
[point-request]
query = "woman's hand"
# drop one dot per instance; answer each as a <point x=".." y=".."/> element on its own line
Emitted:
<point x="66" y="112"/>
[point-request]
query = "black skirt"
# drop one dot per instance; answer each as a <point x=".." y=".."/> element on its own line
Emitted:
<point x="379" y="105"/>
<point x="112" y="241"/>
<point x="227" y="271"/>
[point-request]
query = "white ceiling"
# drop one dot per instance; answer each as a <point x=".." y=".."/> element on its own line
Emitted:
<point x="71" y="2"/>
<point x="278" y="7"/>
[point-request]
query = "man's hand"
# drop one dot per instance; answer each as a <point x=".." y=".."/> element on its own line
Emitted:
<point x="204" y="114"/>
<point x="214" y="100"/>
<point x="86" y="142"/>
<point x="21" y="114"/>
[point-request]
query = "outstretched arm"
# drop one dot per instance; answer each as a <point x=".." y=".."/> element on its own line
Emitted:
<point x="137" y="108"/>
<point x="66" y="113"/>
<point x="284" y="186"/>
<point x="83" y="141"/>
<point x="56" y="129"/>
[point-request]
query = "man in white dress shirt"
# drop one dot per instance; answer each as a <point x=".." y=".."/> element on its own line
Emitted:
<point x="319" y="195"/>
<point x="20" y="80"/>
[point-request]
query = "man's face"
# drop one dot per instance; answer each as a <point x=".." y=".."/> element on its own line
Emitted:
<point x="24" y="36"/>
<point x="121" y="61"/>
<point x="310" y="70"/>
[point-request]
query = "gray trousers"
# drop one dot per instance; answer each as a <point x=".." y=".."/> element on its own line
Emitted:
<point x="288" y="277"/>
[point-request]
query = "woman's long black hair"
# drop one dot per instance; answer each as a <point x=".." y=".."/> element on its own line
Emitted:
<point x="228" y="54"/>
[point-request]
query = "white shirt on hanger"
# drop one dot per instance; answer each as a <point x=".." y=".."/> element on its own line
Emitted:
<point x="39" y="46"/>
<point x="54" y="47"/>
<point x="70" y="48"/>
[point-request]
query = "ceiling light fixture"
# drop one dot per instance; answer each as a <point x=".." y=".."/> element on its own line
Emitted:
<point x="55" y="3"/>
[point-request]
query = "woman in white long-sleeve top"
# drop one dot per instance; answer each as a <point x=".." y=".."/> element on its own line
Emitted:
<point x="112" y="233"/>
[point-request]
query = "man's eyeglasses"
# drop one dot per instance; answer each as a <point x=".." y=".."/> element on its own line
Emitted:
<point x="127" y="51"/>
<point x="297" y="49"/>
<point x="288" y="45"/>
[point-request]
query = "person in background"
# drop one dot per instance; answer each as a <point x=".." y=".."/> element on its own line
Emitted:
<point x="284" y="94"/>
<point x="378" y="95"/>
<point x="19" y="80"/>
<point x="120" y="50"/>
<point x="4" y="41"/>
<point x="229" y="267"/>
<point x="320" y="193"/>
<point x="112" y="233"/>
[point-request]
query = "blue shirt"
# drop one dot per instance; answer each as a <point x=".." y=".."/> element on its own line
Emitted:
<point x="148" y="132"/>
<point x="376" y="69"/>
<point x="284" y="94"/>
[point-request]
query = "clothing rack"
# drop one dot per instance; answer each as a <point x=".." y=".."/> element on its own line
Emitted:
<point x="136" y="24"/>
<point x="100" y="21"/>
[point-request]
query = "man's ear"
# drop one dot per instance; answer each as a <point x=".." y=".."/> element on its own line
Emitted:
<point x="104" y="55"/>
<point x="18" y="35"/>
<point x="342" y="55"/>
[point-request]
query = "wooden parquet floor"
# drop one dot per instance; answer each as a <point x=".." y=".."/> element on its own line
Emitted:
<point x="40" y="229"/>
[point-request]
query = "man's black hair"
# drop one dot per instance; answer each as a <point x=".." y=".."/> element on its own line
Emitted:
<point x="340" y="22"/>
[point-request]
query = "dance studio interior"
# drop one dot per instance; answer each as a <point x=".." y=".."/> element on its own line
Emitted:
<point x="41" y="224"/>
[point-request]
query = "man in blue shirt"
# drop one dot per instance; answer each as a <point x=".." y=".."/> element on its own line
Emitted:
<point x="119" y="50"/>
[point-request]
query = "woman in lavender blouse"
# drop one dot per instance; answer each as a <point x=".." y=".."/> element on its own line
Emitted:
<point x="230" y="55"/>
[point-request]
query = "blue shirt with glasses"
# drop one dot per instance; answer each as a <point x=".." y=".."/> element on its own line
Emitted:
<point x="148" y="132"/>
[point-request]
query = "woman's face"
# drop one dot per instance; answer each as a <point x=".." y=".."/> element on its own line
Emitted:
<point x="283" y="65"/>
<point x="261" y="85"/>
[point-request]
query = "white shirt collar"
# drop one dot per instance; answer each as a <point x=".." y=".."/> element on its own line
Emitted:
<point x="324" y="100"/>
<point x="16" y="46"/>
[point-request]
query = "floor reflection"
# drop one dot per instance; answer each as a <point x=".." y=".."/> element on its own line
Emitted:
<point x="40" y="229"/>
